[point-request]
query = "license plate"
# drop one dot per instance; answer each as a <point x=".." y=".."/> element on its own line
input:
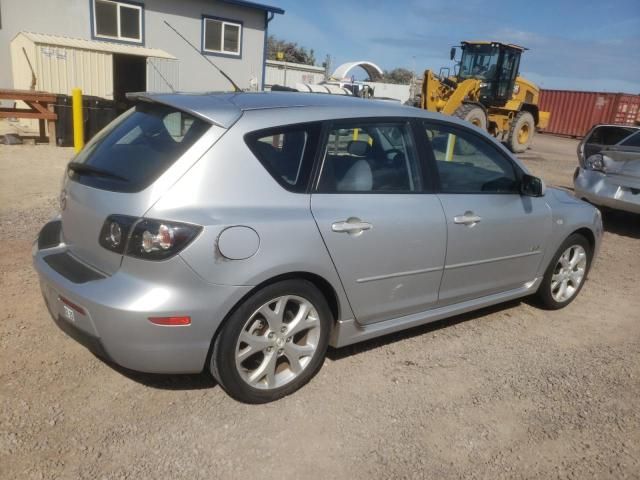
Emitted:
<point x="68" y="313"/>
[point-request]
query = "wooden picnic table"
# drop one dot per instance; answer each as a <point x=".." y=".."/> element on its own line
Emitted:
<point x="40" y="107"/>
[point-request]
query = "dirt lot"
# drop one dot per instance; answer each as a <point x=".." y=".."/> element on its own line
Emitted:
<point x="508" y="392"/>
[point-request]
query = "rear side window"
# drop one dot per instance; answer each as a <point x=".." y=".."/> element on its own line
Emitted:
<point x="286" y="153"/>
<point x="365" y="157"/>
<point x="132" y="152"/>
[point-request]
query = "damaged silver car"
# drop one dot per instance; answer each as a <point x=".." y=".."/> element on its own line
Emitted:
<point x="608" y="174"/>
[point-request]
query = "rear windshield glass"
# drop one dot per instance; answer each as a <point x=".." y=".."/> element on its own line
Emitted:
<point x="130" y="153"/>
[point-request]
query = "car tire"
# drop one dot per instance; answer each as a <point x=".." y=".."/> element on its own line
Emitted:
<point x="522" y="131"/>
<point x="568" y="271"/>
<point x="261" y="354"/>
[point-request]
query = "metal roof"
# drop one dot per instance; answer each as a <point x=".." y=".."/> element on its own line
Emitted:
<point x="95" y="45"/>
<point x="490" y="42"/>
<point x="224" y="109"/>
<point x="259" y="6"/>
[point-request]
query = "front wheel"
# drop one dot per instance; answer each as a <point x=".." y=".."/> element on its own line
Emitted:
<point x="521" y="134"/>
<point x="273" y="343"/>
<point x="566" y="273"/>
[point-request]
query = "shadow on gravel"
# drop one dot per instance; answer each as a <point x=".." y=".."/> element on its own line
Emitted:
<point x="621" y="223"/>
<point x="336" y="354"/>
<point x="196" y="381"/>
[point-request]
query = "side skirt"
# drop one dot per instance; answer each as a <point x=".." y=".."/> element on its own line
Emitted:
<point x="347" y="332"/>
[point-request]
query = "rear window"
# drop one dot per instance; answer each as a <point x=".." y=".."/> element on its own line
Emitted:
<point x="632" y="141"/>
<point x="132" y="152"/>
<point x="287" y="153"/>
<point x="609" y="135"/>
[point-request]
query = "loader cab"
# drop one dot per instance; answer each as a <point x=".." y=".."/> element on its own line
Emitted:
<point x="495" y="65"/>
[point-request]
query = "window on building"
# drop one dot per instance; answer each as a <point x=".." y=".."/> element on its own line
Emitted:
<point x="221" y="36"/>
<point x="117" y="20"/>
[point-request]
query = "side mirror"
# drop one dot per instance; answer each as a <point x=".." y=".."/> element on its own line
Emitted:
<point x="452" y="54"/>
<point x="532" y="186"/>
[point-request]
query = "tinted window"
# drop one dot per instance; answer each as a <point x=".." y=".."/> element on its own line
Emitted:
<point x="632" y="141"/>
<point x="129" y="22"/>
<point x="468" y="164"/>
<point x="106" y="18"/>
<point x="221" y="36"/>
<point x="138" y="147"/>
<point x="118" y="20"/>
<point x="286" y="153"/>
<point x="370" y="158"/>
<point x="609" y="135"/>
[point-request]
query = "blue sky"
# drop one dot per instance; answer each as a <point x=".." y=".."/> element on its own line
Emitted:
<point x="575" y="45"/>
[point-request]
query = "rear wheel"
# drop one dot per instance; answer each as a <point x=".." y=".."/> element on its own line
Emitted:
<point x="473" y="114"/>
<point x="273" y="343"/>
<point x="522" y="130"/>
<point x="566" y="273"/>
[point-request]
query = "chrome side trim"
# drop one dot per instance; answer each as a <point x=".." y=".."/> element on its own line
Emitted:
<point x="398" y="274"/>
<point x="491" y="260"/>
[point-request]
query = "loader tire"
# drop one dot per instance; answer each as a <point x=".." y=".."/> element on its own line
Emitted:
<point x="473" y="114"/>
<point x="522" y="130"/>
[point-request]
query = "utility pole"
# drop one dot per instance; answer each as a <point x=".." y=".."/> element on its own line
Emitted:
<point x="327" y="67"/>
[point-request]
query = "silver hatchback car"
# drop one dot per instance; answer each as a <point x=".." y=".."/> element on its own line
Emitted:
<point x="244" y="233"/>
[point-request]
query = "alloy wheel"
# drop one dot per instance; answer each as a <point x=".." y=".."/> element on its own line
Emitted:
<point x="277" y="342"/>
<point x="568" y="273"/>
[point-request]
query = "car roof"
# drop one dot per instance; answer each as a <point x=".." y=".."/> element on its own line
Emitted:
<point x="224" y="109"/>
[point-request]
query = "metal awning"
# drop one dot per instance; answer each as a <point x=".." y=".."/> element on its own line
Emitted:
<point x="95" y="45"/>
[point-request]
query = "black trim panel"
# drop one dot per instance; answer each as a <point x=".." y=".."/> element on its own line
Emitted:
<point x="71" y="269"/>
<point x="49" y="236"/>
<point x="83" y="338"/>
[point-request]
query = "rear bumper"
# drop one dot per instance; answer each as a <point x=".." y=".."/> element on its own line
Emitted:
<point x="603" y="190"/>
<point x="110" y="315"/>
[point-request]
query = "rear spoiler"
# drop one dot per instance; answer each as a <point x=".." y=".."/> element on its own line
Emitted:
<point x="211" y="108"/>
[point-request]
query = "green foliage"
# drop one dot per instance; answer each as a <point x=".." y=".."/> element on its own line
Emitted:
<point x="397" y="75"/>
<point x="292" y="52"/>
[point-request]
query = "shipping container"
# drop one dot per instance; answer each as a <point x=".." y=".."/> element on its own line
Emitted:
<point x="573" y="113"/>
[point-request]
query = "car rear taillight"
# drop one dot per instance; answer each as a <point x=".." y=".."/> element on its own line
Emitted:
<point x="115" y="232"/>
<point x="157" y="239"/>
<point x="146" y="238"/>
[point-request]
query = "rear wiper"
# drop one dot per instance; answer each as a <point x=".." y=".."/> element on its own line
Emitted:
<point x="91" y="170"/>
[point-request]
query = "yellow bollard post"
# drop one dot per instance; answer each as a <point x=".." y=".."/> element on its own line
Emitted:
<point x="78" y="121"/>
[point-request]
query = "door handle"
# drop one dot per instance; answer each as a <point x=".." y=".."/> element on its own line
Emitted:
<point x="469" y="218"/>
<point x="352" y="226"/>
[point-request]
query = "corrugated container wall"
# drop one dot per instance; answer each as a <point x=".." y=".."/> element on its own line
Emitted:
<point x="63" y="69"/>
<point x="60" y="69"/>
<point x="574" y="113"/>
<point x="277" y="74"/>
<point x="163" y="75"/>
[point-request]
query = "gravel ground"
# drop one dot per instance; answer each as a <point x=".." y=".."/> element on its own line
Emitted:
<point x="507" y="392"/>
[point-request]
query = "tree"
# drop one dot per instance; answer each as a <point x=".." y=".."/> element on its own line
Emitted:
<point x="397" y="75"/>
<point x="292" y="52"/>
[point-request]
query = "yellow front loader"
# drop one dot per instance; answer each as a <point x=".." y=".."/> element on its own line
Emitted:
<point x="488" y="92"/>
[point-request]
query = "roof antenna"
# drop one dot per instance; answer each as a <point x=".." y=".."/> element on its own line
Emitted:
<point x="235" y="87"/>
